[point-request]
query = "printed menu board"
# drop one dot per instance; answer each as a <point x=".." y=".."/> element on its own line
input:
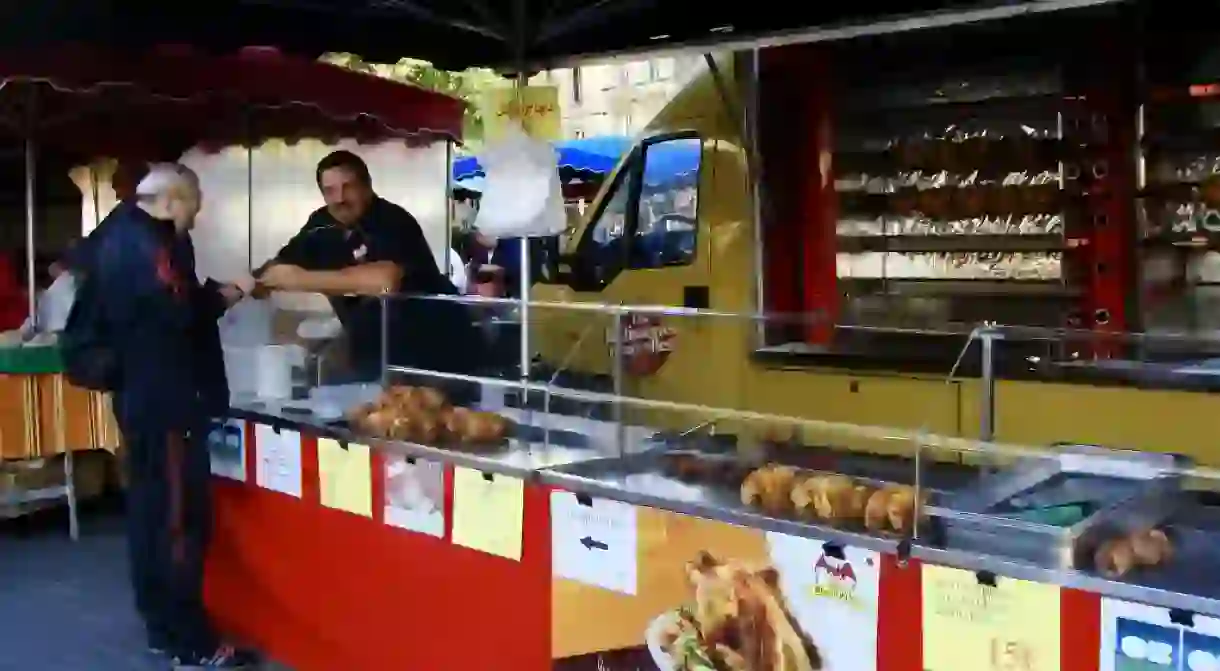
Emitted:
<point x="707" y="595"/>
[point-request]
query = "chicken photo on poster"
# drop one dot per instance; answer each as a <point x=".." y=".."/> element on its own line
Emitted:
<point x="415" y="495"/>
<point x="737" y="620"/>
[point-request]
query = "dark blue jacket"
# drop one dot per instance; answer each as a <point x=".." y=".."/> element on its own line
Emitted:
<point x="162" y="322"/>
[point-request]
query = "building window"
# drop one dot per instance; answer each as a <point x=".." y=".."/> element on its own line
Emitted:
<point x="576" y="86"/>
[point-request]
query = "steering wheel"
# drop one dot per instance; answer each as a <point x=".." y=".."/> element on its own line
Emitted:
<point x="681" y="218"/>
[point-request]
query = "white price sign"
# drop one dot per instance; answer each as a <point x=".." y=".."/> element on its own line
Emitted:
<point x="594" y="541"/>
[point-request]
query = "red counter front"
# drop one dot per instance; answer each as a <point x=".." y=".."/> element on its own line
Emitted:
<point x="325" y="590"/>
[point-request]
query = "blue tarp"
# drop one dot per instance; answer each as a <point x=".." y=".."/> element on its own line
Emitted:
<point x="670" y="160"/>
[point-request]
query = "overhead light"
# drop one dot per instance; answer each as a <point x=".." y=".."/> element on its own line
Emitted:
<point x="722" y="29"/>
<point x="659" y="37"/>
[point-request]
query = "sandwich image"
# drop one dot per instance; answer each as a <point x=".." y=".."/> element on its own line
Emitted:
<point x="737" y="621"/>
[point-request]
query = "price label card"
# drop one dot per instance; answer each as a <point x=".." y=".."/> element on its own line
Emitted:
<point x="488" y="512"/>
<point x="594" y="541"/>
<point x="1012" y="625"/>
<point x="345" y="477"/>
<point x="227" y="448"/>
<point x="415" y="495"/>
<point x="278" y="460"/>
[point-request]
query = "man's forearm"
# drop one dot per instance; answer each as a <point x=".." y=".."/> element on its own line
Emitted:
<point x="369" y="279"/>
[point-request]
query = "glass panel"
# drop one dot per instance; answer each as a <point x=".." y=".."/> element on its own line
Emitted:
<point x="667" y="229"/>
<point x="613" y="220"/>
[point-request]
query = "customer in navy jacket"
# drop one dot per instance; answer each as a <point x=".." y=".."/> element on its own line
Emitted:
<point x="162" y="324"/>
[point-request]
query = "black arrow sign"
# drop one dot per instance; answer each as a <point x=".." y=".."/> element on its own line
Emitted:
<point x="591" y="544"/>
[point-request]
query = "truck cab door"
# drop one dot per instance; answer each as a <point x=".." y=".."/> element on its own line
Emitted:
<point x="643" y="246"/>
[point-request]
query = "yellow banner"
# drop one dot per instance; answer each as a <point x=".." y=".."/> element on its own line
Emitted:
<point x="536" y="108"/>
<point x="1011" y="626"/>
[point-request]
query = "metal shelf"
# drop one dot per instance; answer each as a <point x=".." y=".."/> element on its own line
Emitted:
<point x="964" y="243"/>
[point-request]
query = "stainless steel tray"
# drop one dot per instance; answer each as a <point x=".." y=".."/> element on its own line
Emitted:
<point x="1125" y="490"/>
<point x="643" y="477"/>
<point x="1194" y="531"/>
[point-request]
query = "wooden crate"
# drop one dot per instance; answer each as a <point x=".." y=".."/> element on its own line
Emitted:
<point x="66" y="418"/>
<point x="44" y="416"/>
<point x="19" y="413"/>
<point x="105" y="428"/>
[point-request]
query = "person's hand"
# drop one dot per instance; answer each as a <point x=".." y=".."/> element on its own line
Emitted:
<point x="231" y="293"/>
<point x="245" y="284"/>
<point x="282" y="276"/>
<point x="489" y="289"/>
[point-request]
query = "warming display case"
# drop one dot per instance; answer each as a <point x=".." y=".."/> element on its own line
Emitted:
<point x="666" y="518"/>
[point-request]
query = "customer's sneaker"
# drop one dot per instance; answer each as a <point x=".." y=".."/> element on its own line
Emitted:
<point x="225" y="657"/>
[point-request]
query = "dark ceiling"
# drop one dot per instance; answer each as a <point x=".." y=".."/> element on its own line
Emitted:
<point x="451" y="33"/>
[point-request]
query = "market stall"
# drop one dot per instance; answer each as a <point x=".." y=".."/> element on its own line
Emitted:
<point x="84" y="104"/>
<point x="613" y="545"/>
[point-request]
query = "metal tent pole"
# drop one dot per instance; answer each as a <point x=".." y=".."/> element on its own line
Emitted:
<point x="30" y="164"/>
<point x="249" y="201"/>
<point x="520" y="18"/>
<point x="449" y="200"/>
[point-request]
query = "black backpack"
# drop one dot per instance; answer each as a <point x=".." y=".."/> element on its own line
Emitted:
<point x="90" y="359"/>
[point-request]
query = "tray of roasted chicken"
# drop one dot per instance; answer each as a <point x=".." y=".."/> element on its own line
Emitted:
<point x="424" y="415"/>
<point x="730" y="481"/>
<point x="1086" y="507"/>
<point x="1174" y="555"/>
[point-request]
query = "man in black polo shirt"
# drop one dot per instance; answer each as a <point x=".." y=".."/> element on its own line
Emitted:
<point x="360" y="246"/>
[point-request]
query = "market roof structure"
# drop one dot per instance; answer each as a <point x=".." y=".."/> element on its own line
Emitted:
<point x="455" y="34"/>
<point x="102" y="101"/>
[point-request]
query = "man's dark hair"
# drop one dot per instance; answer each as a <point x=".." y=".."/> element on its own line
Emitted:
<point x="344" y="159"/>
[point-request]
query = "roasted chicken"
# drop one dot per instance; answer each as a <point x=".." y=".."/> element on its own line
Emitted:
<point x="739" y="621"/>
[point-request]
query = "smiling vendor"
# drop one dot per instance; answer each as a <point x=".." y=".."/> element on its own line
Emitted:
<point x="360" y="246"/>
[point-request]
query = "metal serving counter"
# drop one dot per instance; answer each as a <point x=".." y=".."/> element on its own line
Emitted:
<point x="583" y="456"/>
<point x="540" y="441"/>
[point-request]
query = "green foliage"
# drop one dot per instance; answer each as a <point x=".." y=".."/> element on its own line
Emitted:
<point x="466" y="85"/>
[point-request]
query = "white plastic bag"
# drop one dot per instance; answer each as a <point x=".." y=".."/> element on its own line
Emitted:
<point x="248" y="323"/>
<point x="53" y="306"/>
<point x="522" y="196"/>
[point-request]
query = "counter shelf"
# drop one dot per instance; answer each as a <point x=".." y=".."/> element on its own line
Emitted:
<point x="1104" y="491"/>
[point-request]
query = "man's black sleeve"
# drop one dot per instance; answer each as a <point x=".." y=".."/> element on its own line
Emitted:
<point x="408" y="249"/>
<point x="296" y="251"/>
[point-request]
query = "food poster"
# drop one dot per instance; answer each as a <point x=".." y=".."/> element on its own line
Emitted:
<point x="227" y="448"/>
<point x="983" y="622"/>
<point x="415" y="494"/>
<point x="1138" y="637"/>
<point x="711" y="596"/>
